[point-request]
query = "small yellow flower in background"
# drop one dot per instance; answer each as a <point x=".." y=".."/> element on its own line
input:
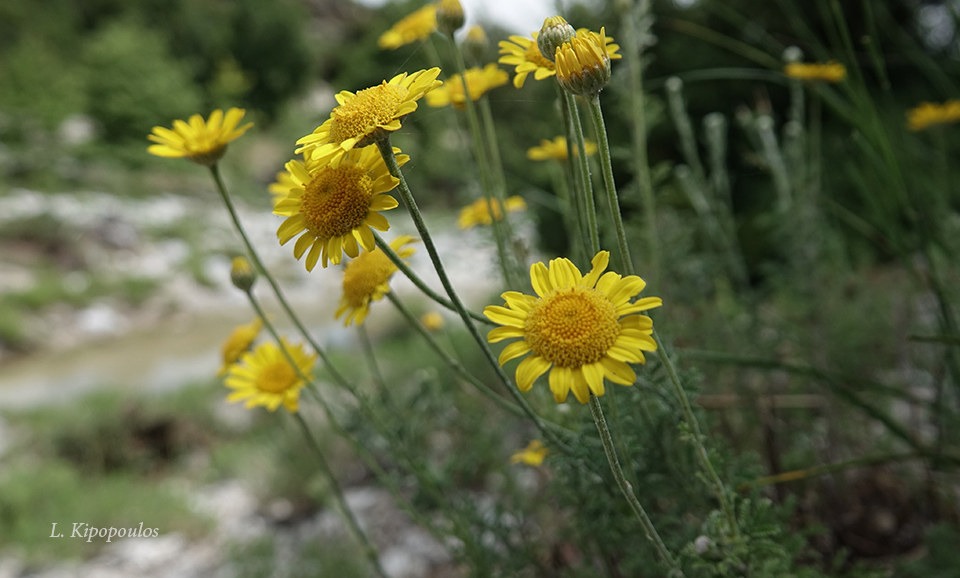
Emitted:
<point x="367" y="279"/>
<point x="581" y="328"/>
<point x="524" y="55"/>
<point x="414" y="27"/>
<point x="239" y="342"/>
<point x="556" y="149"/>
<point x="479" y="82"/>
<point x="583" y="65"/>
<point x="450" y="16"/>
<point x="829" y="72"/>
<point x="532" y="455"/>
<point x="928" y="114"/>
<point x="335" y="205"/>
<point x="368" y="116"/>
<point x="202" y="142"/>
<point x="242" y="273"/>
<point x="432" y="321"/>
<point x="265" y="378"/>
<point x="479" y="213"/>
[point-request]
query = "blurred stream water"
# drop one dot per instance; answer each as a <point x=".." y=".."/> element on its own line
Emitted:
<point x="174" y="337"/>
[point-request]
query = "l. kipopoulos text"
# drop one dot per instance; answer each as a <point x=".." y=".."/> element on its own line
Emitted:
<point x="85" y="531"/>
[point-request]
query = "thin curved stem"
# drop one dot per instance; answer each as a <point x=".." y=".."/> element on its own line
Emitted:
<point x="625" y="488"/>
<point x="386" y="151"/>
<point x="610" y="187"/>
<point x="281" y="298"/>
<point x="458" y="367"/>
<point x="416" y="280"/>
<point x="587" y="206"/>
<point x="368" y="549"/>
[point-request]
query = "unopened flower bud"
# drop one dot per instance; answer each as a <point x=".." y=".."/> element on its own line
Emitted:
<point x="242" y="274"/>
<point x="554" y="32"/>
<point x="450" y="16"/>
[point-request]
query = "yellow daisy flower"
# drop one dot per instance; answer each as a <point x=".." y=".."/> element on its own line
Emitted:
<point x="239" y="342"/>
<point x="556" y="149"/>
<point x="335" y="205"/>
<point x="479" y="213"/>
<point x="479" y="82"/>
<point x="532" y="455"/>
<point x="524" y="55"/>
<point x="367" y="279"/>
<point x="369" y="115"/>
<point x="581" y="328"/>
<point x="414" y="27"/>
<point x="264" y="377"/>
<point x="432" y="321"/>
<point x="202" y="142"/>
<point x="928" y="114"/>
<point x="829" y="72"/>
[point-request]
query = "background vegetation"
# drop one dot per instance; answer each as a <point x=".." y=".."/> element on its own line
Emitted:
<point x="832" y="355"/>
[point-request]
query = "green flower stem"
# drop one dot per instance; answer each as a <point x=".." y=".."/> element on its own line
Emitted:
<point x="719" y="488"/>
<point x="702" y="456"/>
<point x="386" y="151"/>
<point x="416" y="280"/>
<point x="562" y="188"/>
<point x="606" y="169"/>
<point x="262" y="270"/>
<point x="493" y="192"/>
<point x="458" y="367"/>
<point x="586" y="205"/>
<point x="638" y="129"/>
<point x="610" y="451"/>
<point x="368" y="549"/>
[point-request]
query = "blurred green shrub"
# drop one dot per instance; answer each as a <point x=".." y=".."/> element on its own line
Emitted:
<point x="132" y="80"/>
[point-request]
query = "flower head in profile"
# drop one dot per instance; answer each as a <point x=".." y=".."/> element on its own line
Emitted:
<point x="242" y="273"/>
<point x="532" y="455"/>
<point x="239" y="342"/>
<point x="556" y="149"/>
<point x="368" y="116"/>
<point x="367" y="279"/>
<point x="264" y="376"/>
<point x="334" y="205"/>
<point x="483" y="212"/>
<point x="202" y="142"/>
<point x="450" y="16"/>
<point x="928" y="114"/>
<point x="414" y="27"/>
<point x="524" y="55"/>
<point x="830" y="72"/>
<point x="583" y="65"/>
<point x="582" y="329"/>
<point x="479" y="82"/>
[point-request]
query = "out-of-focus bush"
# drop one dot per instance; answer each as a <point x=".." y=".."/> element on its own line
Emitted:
<point x="132" y="81"/>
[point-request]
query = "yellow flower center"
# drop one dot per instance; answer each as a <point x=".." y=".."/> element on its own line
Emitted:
<point x="277" y="377"/>
<point x="369" y="108"/>
<point x="572" y="328"/>
<point x="337" y="200"/>
<point x="364" y="275"/>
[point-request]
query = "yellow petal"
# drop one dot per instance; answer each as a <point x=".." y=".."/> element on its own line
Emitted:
<point x="593" y="373"/>
<point x="529" y="370"/>
<point x="618" y="371"/>
<point x="540" y="279"/>
<point x="513" y="351"/>
<point x="504" y="316"/>
<point x="500" y="333"/>
<point x="561" y="380"/>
